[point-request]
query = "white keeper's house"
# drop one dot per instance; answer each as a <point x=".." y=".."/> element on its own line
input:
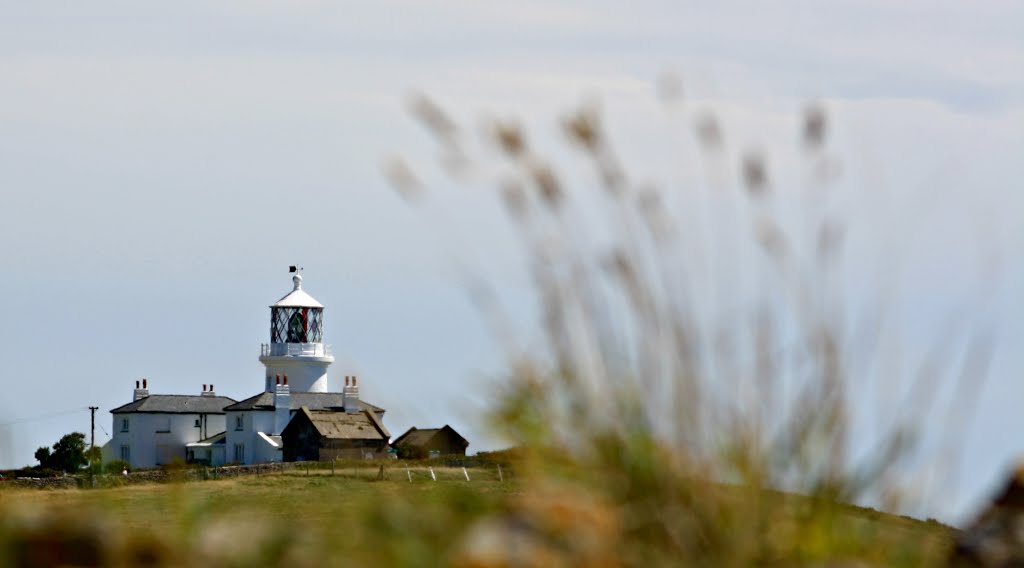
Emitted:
<point x="157" y="429"/>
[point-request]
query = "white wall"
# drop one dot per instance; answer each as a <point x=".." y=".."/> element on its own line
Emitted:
<point x="252" y="421"/>
<point x="157" y="438"/>
<point x="305" y="374"/>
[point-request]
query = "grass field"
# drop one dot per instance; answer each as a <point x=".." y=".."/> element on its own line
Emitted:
<point x="350" y="517"/>
<point x="299" y="518"/>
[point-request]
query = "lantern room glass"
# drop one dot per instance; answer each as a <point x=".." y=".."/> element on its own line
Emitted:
<point x="296" y="325"/>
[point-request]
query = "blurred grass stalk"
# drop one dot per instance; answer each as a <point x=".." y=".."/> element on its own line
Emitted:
<point x="694" y="366"/>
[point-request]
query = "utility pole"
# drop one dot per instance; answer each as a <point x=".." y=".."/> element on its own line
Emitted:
<point x="92" y="426"/>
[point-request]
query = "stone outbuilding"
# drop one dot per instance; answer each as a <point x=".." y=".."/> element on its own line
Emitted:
<point x="325" y="435"/>
<point x="432" y="442"/>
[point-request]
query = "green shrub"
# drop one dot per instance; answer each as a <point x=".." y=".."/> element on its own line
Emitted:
<point x="116" y="467"/>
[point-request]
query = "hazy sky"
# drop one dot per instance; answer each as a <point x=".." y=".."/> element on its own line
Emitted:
<point x="162" y="164"/>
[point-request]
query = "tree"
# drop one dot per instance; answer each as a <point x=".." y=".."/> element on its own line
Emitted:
<point x="43" y="455"/>
<point x="68" y="454"/>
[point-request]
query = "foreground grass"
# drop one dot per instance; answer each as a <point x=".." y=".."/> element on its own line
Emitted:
<point x="350" y="517"/>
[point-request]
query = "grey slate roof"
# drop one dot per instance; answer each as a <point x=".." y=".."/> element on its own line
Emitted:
<point x="311" y="400"/>
<point x="177" y="404"/>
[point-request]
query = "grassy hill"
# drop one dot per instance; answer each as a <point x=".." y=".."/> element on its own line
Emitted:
<point x="351" y="517"/>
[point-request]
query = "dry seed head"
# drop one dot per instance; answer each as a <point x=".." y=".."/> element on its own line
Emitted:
<point x="514" y="197"/>
<point x="755" y="174"/>
<point x="648" y="200"/>
<point x="652" y="209"/>
<point x="612" y="175"/>
<point x="814" y="125"/>
<point x="433" y="117"/>
<point x="771" y="238"/>
<point x="455" y="162"/>
<point x="709" y="133"/>
<point x="510" y="138"/>
<point x="402" y="178"/>
<point x="584" y="128"/>
<point x="547" y="184"/>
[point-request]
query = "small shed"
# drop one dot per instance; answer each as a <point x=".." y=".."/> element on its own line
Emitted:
<point x="431" y="442"/>
<point x="325" y="435"/>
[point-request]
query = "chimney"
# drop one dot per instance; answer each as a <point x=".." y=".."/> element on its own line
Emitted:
<point x="208" y="392"/>
<point x="140" y="393"/>
<point x="282" y="405"/>
<point x="351" y="396"/>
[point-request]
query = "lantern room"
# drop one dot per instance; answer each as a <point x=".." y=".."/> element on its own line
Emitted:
<point x="296" y="347"/>
<point x="297" y="317"/>
<point x="296" y="325"/>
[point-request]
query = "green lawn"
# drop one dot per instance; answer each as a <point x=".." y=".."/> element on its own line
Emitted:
<point x="350" y="517"/>
<point x="324" y="517"/>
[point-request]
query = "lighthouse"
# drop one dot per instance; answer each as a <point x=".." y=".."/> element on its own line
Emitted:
<point x="296" y="349"/>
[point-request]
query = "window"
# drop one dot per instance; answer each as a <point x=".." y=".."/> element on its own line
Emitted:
<point x="124" y="424"/>
<point x="239" y="422"/>
<point x="126" y="453"/>
<point x="297" y="328"/>
<point x="240" y="453"/>
<point x="197" y="423"/>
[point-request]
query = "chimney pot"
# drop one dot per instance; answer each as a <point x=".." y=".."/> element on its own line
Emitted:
<point x="346" y="380"/>
<point x="211" y="387"/>
<point x="204" y="387"/>
<point x="286" y="379"/>
<point x="145" y="384"/>
<point x="353" y="380"/>
<point x="136" y="384"/>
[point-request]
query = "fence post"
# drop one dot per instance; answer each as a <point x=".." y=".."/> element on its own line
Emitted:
<point x="500" y="477"/>
<point x="432" y="476"/>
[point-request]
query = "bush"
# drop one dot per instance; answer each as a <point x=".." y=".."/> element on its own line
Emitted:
<point x="411" y="452"/>
<point x="116" y="467"/>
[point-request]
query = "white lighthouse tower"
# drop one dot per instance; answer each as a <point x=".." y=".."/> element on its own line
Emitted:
<point x="296" y="347"/>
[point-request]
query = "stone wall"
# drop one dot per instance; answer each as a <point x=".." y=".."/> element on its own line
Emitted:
<point x="146" y="476"/>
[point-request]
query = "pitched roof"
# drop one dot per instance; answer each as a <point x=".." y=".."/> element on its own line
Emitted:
<point x="177" y="404"/>
<point x="274" y="441"/>
<point x="344" y="425"/>
<point x="420" y="436"/>
<point x="312" y="400"/>
<point x="215" y="440"/>
<point x="297" y="298"/>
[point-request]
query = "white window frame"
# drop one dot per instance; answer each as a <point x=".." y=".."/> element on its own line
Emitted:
<point x="240" y="453"/>
<point x="239" y="423"/>
<point x="124" y="424"/>
<point x="126" y="453"/>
